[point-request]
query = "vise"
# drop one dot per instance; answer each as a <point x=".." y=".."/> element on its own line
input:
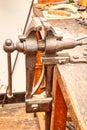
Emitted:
<point x="29" y="45"/>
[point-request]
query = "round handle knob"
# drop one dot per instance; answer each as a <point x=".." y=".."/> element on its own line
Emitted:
<point x="9" y="46"/>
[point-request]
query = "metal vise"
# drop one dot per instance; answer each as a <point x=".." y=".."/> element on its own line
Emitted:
<point x="29" y="45"/>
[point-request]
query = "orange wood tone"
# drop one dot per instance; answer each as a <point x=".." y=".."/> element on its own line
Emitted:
<point x="38" y="35"/>
<point x="47" y="1"/>
<point x="59" y="113"/>
<point x="83" y="2"/>
<point x="41" y="119"/>
<point x="38" y="68"/>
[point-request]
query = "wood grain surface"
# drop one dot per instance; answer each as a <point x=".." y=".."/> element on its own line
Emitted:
<point x="13" y="117"/>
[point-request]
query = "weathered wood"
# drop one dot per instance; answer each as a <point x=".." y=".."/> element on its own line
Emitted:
<point x="13" y="117"/>
<point x="41" y="118"/>
<point x="59" y="114"/>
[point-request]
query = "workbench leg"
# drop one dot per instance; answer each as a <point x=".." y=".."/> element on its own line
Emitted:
<point x="59" y="113"/>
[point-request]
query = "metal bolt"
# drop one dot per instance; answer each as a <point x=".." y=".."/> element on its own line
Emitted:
<point x="34" y="106"/>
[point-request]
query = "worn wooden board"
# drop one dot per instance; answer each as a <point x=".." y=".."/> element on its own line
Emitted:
<point x="13" y="117"/>
<point x="41" y="119"/>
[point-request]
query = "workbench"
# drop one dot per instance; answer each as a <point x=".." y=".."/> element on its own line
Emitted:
<point x="70" y="80"/>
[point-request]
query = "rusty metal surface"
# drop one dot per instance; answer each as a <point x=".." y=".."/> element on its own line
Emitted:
<point x="38" y="104"/>
<point x="30" y="68"/>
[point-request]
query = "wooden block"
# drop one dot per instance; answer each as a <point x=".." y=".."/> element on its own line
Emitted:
<point x="41" y="118"/>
